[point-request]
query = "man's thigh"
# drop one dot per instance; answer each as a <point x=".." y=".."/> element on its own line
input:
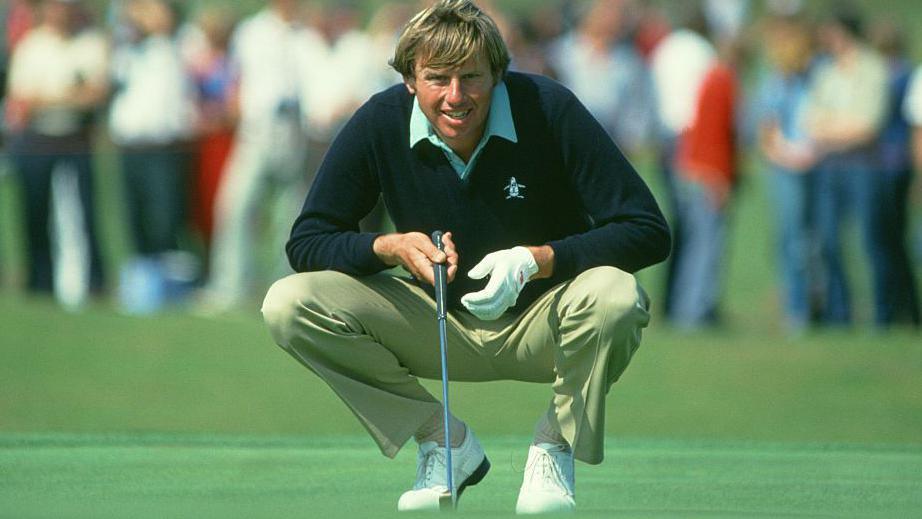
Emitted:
<point x="394" y="313"/>
<point x="528" y="347"/>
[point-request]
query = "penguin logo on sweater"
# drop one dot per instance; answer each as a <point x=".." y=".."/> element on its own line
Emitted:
<point x="514" y="189"/>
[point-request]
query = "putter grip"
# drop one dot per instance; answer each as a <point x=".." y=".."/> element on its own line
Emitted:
<point x="440" y="272"/>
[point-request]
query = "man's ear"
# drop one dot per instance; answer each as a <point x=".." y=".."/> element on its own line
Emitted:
<point x="410" y="83"/>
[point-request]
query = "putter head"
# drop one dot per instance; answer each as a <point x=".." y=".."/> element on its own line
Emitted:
<point x="446" y="503"/>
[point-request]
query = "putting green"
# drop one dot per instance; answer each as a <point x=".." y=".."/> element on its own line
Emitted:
<point x="330" y="477"/>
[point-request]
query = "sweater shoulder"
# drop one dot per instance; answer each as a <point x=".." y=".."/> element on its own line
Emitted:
<point x="395" y="96"/>
<point x="388" y="109"/>
<point x="547" y="93"/>
<point x="542" y="105"/>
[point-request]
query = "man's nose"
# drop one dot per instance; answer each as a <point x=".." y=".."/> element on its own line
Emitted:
<point x="455" y="91"/>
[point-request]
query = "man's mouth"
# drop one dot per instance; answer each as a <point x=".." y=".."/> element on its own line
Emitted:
<point x="457" y="115"/>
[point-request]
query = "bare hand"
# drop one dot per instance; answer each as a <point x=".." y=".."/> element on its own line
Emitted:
<point x="416" y="253"/>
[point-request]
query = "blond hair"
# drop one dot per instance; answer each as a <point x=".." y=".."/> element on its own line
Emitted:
<point x="447" y="34"/>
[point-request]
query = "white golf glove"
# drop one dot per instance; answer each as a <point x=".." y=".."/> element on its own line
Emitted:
<point x="509" y="270"/>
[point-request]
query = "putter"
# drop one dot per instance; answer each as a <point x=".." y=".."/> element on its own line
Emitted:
<point x="450" y="500"/>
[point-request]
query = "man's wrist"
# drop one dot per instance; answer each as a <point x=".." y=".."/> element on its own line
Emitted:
<point x="544" y="258"/>
<point x="382" y="246"/>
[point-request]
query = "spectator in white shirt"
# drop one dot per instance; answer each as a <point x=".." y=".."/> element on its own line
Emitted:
<point x="606" y="72"/>
<point x="151" y="120"/>
<point x="58" y="78"/>
<point x="273" y="55"/>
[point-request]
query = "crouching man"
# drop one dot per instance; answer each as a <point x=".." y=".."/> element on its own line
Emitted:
<point x="547" y="222"/>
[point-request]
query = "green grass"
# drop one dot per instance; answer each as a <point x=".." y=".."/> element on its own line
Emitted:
<point x="105" y="415"/>
<point x="202" y="476"/>
<point x="100" y="372"/>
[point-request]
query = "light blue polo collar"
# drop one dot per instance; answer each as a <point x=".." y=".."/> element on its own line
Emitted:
<point x="499" y="123"/>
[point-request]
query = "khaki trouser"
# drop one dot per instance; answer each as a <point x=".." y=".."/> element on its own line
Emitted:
<point x="369" y="338"/>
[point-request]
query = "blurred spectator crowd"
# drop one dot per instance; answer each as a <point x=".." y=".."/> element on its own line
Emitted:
<point x="218" y="123"/>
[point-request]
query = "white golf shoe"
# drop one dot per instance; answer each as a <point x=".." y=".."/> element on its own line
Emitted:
<point x="430" y="492"/>
<point x="548" y="485"/>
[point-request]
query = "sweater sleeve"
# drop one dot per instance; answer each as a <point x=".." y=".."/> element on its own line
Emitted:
<point x="628" y="229"/>
<point x="326" y="236"/>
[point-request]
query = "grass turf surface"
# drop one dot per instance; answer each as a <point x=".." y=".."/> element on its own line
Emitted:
<point x="100" y="372"/>
<point x="204" y="476"/>
<point x="104" y="415"/>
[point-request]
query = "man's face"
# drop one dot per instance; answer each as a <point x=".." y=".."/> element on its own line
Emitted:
<point x="456" y="101"/>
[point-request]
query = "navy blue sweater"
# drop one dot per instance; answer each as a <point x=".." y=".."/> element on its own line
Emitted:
<point x="581" y="196"/>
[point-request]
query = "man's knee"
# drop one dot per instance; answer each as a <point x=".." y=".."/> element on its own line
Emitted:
<point x="307" y="301"/>
<point x="280" y="306"/>
<point x="609" y="295"/>
<point x="285" y="302"/>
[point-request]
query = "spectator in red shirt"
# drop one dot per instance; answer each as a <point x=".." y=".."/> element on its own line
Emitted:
<point x="706" y="171"/>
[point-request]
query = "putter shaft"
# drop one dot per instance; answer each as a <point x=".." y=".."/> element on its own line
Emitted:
<point x="440" y="272"/>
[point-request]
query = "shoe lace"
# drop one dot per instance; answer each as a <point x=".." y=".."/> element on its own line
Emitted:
<point x="547" y="471"/>
<point x="427" y="471"/>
